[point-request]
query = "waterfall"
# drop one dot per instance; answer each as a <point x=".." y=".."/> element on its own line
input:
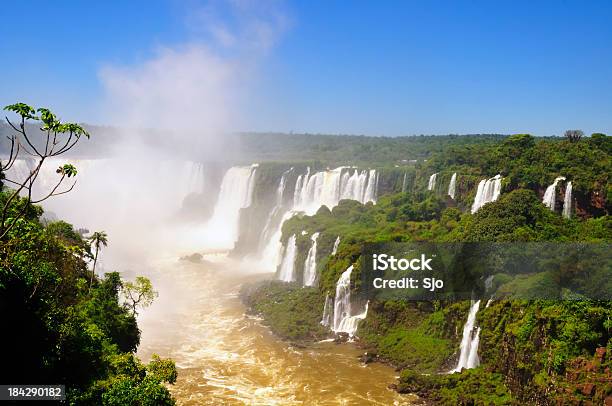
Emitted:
<point x="336" y="244"/>
<point x="488" y="191"/>
<point x="452" y="186"/>
<point x="236" y="193"/>
<point x="432" y="182"/>
<point x="327" y="188"/>
<point x="343" y="320"/>
<point x="404" y="182"/>
<point x="310" y="265"/>
<point x="550" y="194"/>
<point x="327" y="311"/>
<point x="313" y="190"/>
<point x="287" y="266"/>
<point x="567" y="201"/>
<point x="276" y="210"/>
<point x="468" y="358"/>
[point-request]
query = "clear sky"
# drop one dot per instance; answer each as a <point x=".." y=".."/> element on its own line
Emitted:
<point x="361" y="67"/>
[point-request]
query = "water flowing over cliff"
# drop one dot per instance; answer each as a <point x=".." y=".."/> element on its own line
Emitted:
<point x="327" y="311"/>
<point x="567" y="201"/>
<point x="314" y="190"/>
<point x="336" y="245"/>
<point x="468" y="358"/>
<point x="488" y="191"/>
<point x="286" y="270"/>
<point x="310" y="265"/>
<point x="452" y="186"/>
<point x="236" y="193"/>
<point x="343" y="320"/>
<point x="432" y="182"/>
<point x="550" y="194"/>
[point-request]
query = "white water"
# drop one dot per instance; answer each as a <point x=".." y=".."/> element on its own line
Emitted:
<point x="286" y="272"/>
<point x="550" y="195"/>
<point x="327" y="188"/>
<point x="432" y="182"/>
<point x="468" y="358"/>
<point x="488" y="191"/>
<point x="452" y="186"/>
<point x="327" y="311"/>
<point x="404" y="182"/>
<point x="323" y="188"/>
<point x="336" y="245"/>
<point x="236" y="193"/>
<point x="310" y="265"/>
<point x="271" y="253"/>
<point x="343" y="320"/>
<point x="567" y="201"/>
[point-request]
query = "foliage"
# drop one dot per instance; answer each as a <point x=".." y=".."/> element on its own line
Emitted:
<point x="58" y="330"/>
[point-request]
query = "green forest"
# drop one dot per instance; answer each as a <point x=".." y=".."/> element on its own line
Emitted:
<point x="532" y="351"/>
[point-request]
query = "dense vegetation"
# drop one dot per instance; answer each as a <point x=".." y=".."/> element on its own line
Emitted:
<point x="532" y="352"/>
<point x="63" y="324"/>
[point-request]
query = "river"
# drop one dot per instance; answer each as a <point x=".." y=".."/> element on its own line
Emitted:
<point x="227" y="358"/>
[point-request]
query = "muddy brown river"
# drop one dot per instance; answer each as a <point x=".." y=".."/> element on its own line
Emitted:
<point x="227" y="358"/>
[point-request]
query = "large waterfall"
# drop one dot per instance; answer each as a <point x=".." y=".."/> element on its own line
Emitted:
<point x="327" y="311"/>
<point x="327" y="188"/>
<point x="488" y="191"/>
<point x="468" y="358"/>
<point x="323" y="188"/>
<point x="567" y="201"/>
<point x="236" y="193"/>
<point x="432" y="182"/>
<point x="286" y="272"/>
<point x="310" y="265"/>
<point x="336" y="245"/>
<point x="550" y="195"/>
<point x="452" y="186"/>
<point x="274" y="218"/>
<point x="343" y="320"/>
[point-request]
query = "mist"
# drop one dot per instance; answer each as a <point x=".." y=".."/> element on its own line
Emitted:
<point x="173" y="111"/>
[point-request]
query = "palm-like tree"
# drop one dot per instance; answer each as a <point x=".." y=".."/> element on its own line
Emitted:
<point x="97" y="240"/>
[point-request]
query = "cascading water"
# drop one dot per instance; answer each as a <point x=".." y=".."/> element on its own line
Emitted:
<point x="343" y="321"/>
<point x="452" y="186"/>
<point x="327" y="311"/>
<point x="567" y="201"/>
<point x="310" y="265"/>
<point x="550" y="195"/>
<point x="404" y="182"/>
<point x="488" y="191"/>
<point x="324" y="188"/>
<point x="336" y="245"/>
<point x="432" y="182"/>
<point x="287" y="266"/>
<point x="468" y="358"/>
<point x="236" y="193"/>
<point x="276" y="210"/>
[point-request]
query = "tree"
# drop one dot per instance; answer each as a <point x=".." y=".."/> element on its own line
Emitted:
<point x="139" y="293"/>
<point x="59" y="138"/>
<point x="97" y="239"/>
<point x="574" y="135"/>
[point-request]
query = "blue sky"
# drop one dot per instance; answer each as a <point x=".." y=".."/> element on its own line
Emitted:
<point x="377" y="68"/>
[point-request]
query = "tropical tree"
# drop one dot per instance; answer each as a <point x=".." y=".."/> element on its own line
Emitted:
<point x="97" y="240"/>
<point x="574" y="135"/>
<point x="139" y="293"/>
<point x="58" y="138"/>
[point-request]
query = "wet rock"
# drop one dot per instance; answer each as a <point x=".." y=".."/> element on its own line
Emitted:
<point x="368" y="357"/>
<point x="341" y="338"/>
